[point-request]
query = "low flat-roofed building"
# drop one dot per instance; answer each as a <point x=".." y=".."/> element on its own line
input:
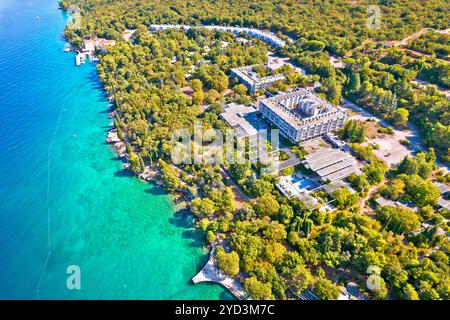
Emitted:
<point x="335" y="141"/>
<point x="301" y="115"/>
<point x="381" y="201"/>
<point x="333" y="186"/>
<point x="251" y="79"/>
<point x="444" y="188"/>
<point x="444" y="201"/>
<point x="331" y="164"/>
<point x="307" y="295"/>
<point x="425" y="225"/>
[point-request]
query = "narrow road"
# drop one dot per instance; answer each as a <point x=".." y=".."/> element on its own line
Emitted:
<point x="365" y="209"/>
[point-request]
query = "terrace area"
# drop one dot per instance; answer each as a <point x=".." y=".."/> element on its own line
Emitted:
<point x="331" y="164"/>
<point x="298" y="186"/>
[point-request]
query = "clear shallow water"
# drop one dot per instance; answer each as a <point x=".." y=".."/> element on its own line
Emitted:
<point x="55" y="171"/>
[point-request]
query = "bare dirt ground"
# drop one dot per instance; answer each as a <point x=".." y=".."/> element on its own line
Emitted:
<point x="402" y="42"/>
<point x="275" y="62"/>
<point x="391" y="150"/>
<point x="240" y="197"/>
<point x="365" y="208"/>
<point x="371" y="128"/>
<point x="414" y="53"/>
<point x="422" y="84"/>
<point x="405" y="41"/>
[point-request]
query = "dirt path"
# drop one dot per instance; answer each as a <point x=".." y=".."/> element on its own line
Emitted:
<point x="350" y="53"/>
<point x="239" y="195"/>
<point x="402" y="42"/>
<point x="415" y="53"/>
<point x="405" y="41"/>
<point x="365" y="209"/>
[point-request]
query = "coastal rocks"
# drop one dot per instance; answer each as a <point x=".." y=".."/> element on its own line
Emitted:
<point x="121" y="149"/>
<point x="118" y="145"/>
<point x="149" y="174"/>
<point x="180" y="204"/>
<point x="112" y="115"/>
<point x="112" y="137"/>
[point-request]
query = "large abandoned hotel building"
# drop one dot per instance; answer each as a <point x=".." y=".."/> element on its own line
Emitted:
<point x="301" y="115"/>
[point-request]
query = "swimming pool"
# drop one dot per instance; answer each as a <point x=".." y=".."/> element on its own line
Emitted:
<point x="301" y="182"/>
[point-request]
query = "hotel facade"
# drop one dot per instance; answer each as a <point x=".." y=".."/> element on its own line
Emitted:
<point x="301" y="115"/>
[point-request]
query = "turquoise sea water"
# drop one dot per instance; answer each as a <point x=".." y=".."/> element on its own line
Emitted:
<point x="60" y="184"/>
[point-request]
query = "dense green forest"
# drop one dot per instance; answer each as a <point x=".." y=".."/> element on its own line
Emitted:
<point x="320" y="29"/>
<point x="381" y="80"/>
<point x="340" y="24"/>
<point x="433" y="43"/>
<point x="277" y="246"/>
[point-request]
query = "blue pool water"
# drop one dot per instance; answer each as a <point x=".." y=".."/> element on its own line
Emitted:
<point x="303" y="183"/>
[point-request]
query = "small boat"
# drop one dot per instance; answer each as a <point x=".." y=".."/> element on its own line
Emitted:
<point x="77" y="60"/>
<point x="68" y="49"/>
<point x="80" y="59"/>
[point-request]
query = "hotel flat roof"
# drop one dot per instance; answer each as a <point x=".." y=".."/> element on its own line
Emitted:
<point x="237" y="116"/>
<point x="277" y="105"/>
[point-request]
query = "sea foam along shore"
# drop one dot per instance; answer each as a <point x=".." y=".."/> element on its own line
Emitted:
<point x="210" y="272"/>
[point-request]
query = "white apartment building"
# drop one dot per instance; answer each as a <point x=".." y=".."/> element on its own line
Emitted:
<point x="301" y="115"/>
<point x="262" y="35"/>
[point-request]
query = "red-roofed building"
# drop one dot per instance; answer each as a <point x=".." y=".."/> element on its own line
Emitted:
<point x="90" y="45"/>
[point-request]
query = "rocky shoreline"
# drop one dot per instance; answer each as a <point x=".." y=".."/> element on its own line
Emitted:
<point x="153" y="174"/>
